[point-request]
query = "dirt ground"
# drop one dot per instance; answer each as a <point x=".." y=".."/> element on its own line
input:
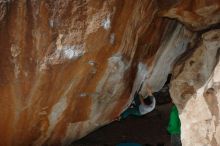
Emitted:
<point x="149" y="129"/>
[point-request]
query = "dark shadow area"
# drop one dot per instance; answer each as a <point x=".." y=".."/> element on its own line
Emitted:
<point x="149" y="130"/>
<point x="163" y="96"/>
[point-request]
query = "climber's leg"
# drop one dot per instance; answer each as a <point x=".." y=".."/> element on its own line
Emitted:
<point x="130" y="111"/>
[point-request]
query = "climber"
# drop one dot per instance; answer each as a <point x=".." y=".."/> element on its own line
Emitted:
<point x="174" y="127"/>
<point x="141" y="105"/>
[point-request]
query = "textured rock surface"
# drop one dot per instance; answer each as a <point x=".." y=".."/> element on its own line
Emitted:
<point x="68" y="67"/>
<point x="200" y="123"/>
<point x="196" y="14"/>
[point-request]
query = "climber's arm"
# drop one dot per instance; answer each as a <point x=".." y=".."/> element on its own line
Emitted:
<point x="149" y="90"/>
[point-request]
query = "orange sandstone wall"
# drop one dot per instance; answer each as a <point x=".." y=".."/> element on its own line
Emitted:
<point x="68" y="67"/>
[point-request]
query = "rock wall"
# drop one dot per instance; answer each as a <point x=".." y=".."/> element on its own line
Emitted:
<point x="200" y="123"/>
<point x="194" y="73"/>
<point x="70" y="67"/>
<point x="196" y="14"/>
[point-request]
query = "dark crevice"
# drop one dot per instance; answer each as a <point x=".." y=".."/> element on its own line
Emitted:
<point x="163" y="96"/>
<point x="210" y="28"/>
